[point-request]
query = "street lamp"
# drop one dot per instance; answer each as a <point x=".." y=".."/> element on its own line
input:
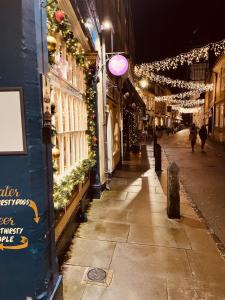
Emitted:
<point x="143" y="83"/>
<point x="106" y="26"/>
<point x="118" y="65"/>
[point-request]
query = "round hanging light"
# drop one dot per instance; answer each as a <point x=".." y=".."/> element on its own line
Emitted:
<point x="118" y="65"/>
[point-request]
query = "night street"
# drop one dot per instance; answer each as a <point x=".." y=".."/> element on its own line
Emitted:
<point x="112" y="150"/>
<point x="202" y="175"/>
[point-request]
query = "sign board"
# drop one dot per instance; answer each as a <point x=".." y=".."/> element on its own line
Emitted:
<point x="118" y="65"/>
<point x="12" y="127"/>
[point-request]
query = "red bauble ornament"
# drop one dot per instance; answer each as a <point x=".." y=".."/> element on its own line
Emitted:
<point x="59" y="16"/>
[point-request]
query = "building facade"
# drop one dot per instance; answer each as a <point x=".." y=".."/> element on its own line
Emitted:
<point x="72" y="126"/>
<point x="215" y="101"/>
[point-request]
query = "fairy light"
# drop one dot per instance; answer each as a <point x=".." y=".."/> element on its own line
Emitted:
<point x="143" y="83"/>
<point x="189" y="110"/>
<point x="176" y="83"/>
<point x="185" y="95"/>
<point x="194" y="56"/>
<point x="187" y="103"/>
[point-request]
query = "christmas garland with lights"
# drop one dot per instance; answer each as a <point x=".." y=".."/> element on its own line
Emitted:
<point x="176" y="83"/>
<point x="193" y="110"/>
<point x="194" y="56"/>
<point x="65" y="188"/>
<point x="187" y="103"/>
<point x="58" y="22"/>
<point x="184" y="96"/>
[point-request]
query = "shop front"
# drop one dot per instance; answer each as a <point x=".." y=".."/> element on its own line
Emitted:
<point x="49" y="93"/>
<point x="134" y="114"/>
<point x="27" y="239"/>
<point x="215" y="102"/>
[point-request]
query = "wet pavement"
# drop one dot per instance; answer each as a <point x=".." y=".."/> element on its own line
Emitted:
<point x="202" y="175"/>
<point x="146" y="255"/>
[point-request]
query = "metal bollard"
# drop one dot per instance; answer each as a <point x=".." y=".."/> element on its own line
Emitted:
<point x="173" y="192"/>
<point x="158" y="158"/>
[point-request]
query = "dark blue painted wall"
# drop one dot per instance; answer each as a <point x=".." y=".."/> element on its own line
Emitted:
<point x="32" y="271"/>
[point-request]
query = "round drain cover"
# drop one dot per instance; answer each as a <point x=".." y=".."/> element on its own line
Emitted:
<point x="96" y="274"/>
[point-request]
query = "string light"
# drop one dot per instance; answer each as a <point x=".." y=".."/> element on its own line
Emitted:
<point x="184" y="95"/>
<point x="187" y="103"/>
<point x="189" y="110"/>
<point x="188" y="85"/>
<point x="194" y="56"/>
<point x="143" y="83"/>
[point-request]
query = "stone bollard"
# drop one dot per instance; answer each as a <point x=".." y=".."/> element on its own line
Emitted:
<point x="158" y="158"/>
<point x="173" y="192"/>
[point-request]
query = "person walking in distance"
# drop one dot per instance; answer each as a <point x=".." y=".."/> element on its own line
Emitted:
<point x="193" y="136"/>
<point x="203" y="136"/>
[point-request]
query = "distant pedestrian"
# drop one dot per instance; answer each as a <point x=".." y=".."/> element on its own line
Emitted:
<point x="145" y="134"/>
<point x="172" y="129"/>
<point x="168" y="131"/>
<point x="203" y="136"/>
<point x="193" y="136"/>
<point x="150" y="132"/>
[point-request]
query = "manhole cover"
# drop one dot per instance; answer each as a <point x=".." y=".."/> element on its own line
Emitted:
<point x="97" y="274"/>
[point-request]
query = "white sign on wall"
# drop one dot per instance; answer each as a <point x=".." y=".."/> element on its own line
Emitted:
<point x="12" y="129"/>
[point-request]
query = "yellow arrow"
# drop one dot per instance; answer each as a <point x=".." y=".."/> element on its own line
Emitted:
<point x="33" y="205"/>
<point x="24" y="244"/>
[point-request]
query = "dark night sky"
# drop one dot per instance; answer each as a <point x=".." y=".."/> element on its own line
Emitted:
<point x="164" y="28"/>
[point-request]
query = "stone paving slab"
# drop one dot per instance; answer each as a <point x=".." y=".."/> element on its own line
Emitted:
<point x="159" y="236"/>
<point x="151" y="257"/>
<point x="85" y="253"/>
<point x="104" y="231"/>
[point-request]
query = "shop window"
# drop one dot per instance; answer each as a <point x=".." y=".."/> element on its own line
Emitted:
<point x="217" y="115"/>
<point x="222" y="83"/>
<point x="70" y="119"/>
<point x="116" y="133"/>
<point x="221" y="115"/>
<point x="71" y="126"/>
<point x="66" y="67"/>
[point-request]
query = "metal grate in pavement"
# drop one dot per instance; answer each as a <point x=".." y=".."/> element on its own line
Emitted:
<point x="97" y="274"/>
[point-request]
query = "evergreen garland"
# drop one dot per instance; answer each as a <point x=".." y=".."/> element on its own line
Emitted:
<point x="64" y="27"/>
<point x="64" y="190"/>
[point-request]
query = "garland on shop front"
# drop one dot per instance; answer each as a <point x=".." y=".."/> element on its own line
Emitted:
<point x="58" y="22"/>
<point x="64" y="189"/>
<point x="194" y="56"/>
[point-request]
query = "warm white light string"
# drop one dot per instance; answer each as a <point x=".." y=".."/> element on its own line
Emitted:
<point x="193" y="56"/>
<point x="188" y="85"/>
<point x="188" y="103"/>
<point x="184" y="95"/>
<point x="191" y="110"/>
